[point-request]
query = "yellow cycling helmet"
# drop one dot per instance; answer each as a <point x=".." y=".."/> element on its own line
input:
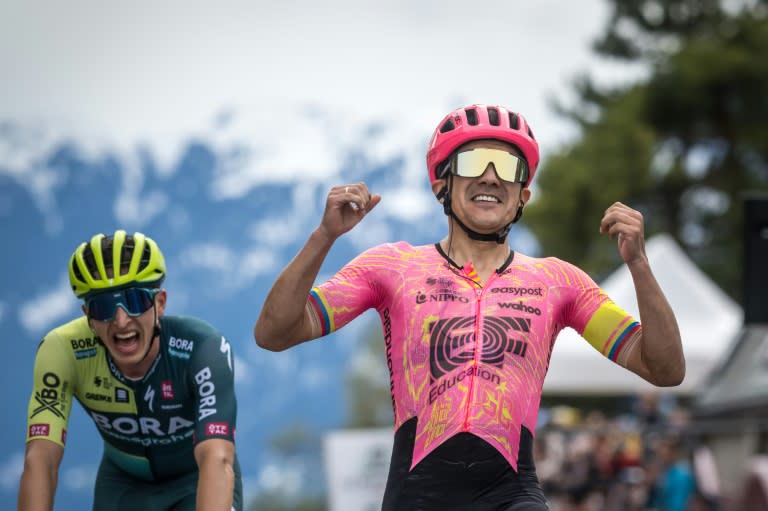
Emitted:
<point x="117" y="261"/>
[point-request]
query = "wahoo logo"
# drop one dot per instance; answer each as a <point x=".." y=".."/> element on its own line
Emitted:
<point x="452" y="342"/>
<point x="521" y="306"/>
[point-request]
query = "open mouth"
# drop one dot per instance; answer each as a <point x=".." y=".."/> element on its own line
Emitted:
<point x="126" y="343"/>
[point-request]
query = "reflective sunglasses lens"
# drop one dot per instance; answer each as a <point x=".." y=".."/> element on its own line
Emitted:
<point x="135" y="301"/>
<point x="100" y="308"/>
<point x="472" y="163"/>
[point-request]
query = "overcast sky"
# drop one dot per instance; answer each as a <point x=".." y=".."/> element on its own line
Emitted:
<point x="282" y="91"/>
<point x="120" y="73"/>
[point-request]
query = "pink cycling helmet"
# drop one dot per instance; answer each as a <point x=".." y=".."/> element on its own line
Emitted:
<point x="476" y="122"/>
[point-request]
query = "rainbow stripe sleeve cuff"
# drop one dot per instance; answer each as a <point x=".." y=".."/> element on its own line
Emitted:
<point x="322" y="310"/>
<point x="609" y="330"/>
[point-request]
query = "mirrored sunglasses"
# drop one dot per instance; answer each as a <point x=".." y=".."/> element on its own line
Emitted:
<point x="473" y="162"/>
<point x="135" y="301"/>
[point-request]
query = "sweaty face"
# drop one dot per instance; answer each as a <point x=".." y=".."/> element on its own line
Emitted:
<point x="128" y="337"/>
<point x="487" y="203"/>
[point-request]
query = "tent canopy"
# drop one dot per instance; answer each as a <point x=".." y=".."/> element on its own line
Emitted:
<point x="709" y="322"/>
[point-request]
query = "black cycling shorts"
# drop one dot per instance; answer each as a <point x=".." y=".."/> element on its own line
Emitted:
<point x="117" y="491"/>
<point x="465" y="473"/>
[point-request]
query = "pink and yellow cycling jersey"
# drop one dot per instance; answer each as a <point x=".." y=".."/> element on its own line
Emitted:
<point x="465" y="356"/>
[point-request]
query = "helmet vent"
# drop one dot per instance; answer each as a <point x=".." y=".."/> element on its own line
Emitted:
<point x="514" y="121"/>
<point x="145" y="255"/>
<point x="126" y="251"/>
<point x="471" y="116"/>
<point x="78" y="274"/>
<point x="447" y="126"/>
<point x="493" y="116"/>
<point x="90" y="262"/>
<point x="530" y="133"/>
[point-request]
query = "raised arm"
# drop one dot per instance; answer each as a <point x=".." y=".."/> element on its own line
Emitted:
<point x="657" y="354"/>
<point x="39" y="478"/>
<point x="286" y="319"/>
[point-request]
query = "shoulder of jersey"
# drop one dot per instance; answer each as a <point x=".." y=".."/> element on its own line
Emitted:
<point x="185" y="333"/>
<point x="77" y="336"/>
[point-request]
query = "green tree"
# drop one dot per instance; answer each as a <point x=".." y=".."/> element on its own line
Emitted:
<point x="681" y="145"/>
<point x="369" y="402"/>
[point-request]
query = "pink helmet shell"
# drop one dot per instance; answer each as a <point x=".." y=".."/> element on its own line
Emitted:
<point x="476" y="122"/>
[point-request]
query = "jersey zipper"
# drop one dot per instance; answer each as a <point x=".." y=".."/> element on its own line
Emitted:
<point x="479" y="293"/>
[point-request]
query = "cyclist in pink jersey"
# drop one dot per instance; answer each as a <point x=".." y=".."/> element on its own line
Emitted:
<point x="469" y="324"/>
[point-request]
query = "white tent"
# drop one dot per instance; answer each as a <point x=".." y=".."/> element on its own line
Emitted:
<point x="709" y="322"/>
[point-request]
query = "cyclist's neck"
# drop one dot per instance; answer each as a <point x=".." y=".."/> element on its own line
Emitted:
<point x="485" y="256"/>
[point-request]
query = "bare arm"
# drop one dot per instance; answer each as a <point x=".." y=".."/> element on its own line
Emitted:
<point x="40" y="476"/>
<point x="216" y="482"/>
<point x="286" y="318"/>
<point x="656" y="354"/>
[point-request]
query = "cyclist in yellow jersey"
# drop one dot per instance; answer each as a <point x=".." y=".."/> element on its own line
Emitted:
<point x="160" y="390"/>
<point x="469" y="324"/>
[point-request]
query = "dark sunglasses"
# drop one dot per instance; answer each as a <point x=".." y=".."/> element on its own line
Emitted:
<point x="135" y="301"/>
<point x="473" y="162"/>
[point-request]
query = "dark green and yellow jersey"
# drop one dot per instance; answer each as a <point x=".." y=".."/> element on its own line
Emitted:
<point x="149" y="426"/>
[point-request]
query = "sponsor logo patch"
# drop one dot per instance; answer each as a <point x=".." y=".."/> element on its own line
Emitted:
<point x="84" y="348"/>
<point x="39" y="430"/>
<point x="180" y="348"/>
<point x="217" y="429"/>
<point x="166" y="388"/>
<point x="452" y="342"/>
<point x="122" y="396"/>
<point x="48" y="397"/>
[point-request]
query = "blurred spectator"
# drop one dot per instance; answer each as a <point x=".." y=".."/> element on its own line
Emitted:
<point x="675" y="484"/>
<point x="755" y="494"/>
<point x="709" y="495"/>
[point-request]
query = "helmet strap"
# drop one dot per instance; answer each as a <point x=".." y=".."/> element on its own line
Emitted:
<point x="155" y="334"/>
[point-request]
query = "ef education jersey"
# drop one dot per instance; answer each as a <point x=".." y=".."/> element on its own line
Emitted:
<point x="149" y="426"/>
<point x="466" y="357"/>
